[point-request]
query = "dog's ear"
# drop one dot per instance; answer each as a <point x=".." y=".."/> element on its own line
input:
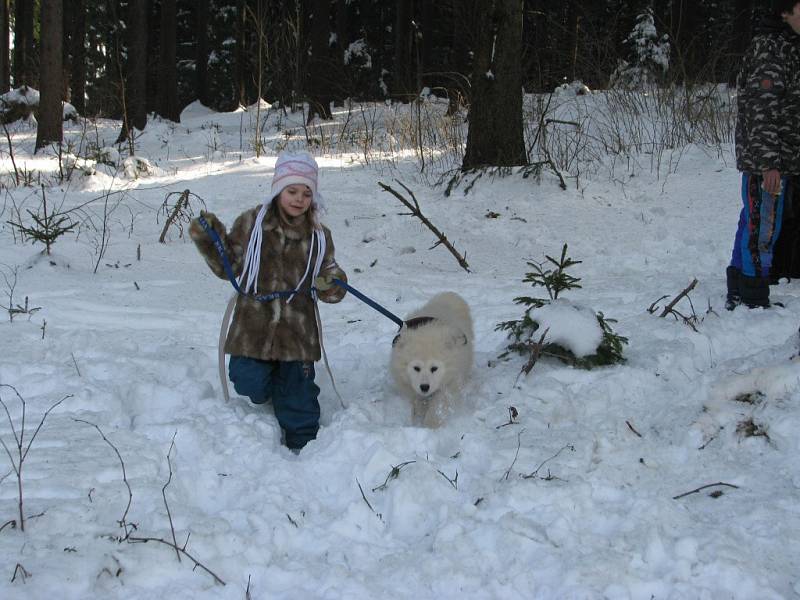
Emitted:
<point x="458" y="339"/>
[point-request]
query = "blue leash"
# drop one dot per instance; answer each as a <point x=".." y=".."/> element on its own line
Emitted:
<point x="370" y="302"/>
<point x="281" y="294"/>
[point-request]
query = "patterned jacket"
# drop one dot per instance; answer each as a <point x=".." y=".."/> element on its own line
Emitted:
<point x="768" y="103"/>
<point x="274" y="330"/>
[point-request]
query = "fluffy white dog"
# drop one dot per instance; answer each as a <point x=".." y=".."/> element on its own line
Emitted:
<point x="432" y="357"/>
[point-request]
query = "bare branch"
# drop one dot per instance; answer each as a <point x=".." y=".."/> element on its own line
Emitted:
<point x="703" y="487"/>
<point x="413" y="206"/>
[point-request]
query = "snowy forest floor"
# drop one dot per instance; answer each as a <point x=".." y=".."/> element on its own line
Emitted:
<point x="574" y="499"/>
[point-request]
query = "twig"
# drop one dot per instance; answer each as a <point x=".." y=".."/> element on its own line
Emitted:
<point x="23" y="573"/>
<point x="702" y="487"/>
<point x="197" y="563"/>
<point x="417" y="212"/>
<point x="393" y="474"/>
<point x="75" y="362"/>
<point x="669" y="307"/>
<point x="247" y="595"/>
<point x="18" y="464"/>
<point x="12" y="522"/>
<point x="123" y="520"/>
<point x="453" y="481"/>
<point x="516" y="455"/>
<point x="631" y="427"/>
<point x="128" y="528"/>
<point x="364" y="496"/>
<point x="536" y="472"/>
<point x="164" y="495"/>
<point x="512" y="415"/>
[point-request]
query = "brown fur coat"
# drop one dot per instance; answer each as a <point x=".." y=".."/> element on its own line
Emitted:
<point x="274" y="330"/>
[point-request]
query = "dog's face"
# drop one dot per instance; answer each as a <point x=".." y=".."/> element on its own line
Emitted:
<point x="426" y="376"/>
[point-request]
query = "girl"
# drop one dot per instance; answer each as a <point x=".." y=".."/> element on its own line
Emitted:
<point x="274" y="339"/>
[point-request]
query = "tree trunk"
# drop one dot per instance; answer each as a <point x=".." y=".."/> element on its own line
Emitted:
<point x="342" y="43"/>
<point x="78" y="62"/>
<point x="201" y="57"/>
<point x="167" y="66"/>
<point x="241" y="66"/>
<point x="135" y="109"/>
<point x="742" y="22"/>
<point x="403" y="59"/>
<point x="495" y="135"/>
<point x="51" y="113"/>
<point x="23" y="43"/>
<point x="5" y="66"/>
<point x="319" y="67"/>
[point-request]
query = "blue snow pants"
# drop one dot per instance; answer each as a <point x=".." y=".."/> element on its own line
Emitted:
<point x="290" y="385"/>
<point x="759" y="226"/>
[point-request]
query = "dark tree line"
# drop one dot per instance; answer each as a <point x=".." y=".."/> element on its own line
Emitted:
<point x="128" y="58"/>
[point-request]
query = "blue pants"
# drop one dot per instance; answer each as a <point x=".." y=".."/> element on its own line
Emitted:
<point x="291" y="387"/>
<point x="759" y="226"/>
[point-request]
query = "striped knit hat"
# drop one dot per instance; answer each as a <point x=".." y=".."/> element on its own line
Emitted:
<point x="298" y="168"/>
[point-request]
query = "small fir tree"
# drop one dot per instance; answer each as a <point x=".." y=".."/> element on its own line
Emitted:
<point x="525" y="337"/>
<point x="47" y="227"/>
<point x="648" y="53"/>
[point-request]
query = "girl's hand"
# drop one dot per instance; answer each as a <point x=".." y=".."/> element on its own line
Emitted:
<point x="323" y="283"/>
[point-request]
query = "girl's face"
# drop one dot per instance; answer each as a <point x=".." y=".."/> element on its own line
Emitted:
<point x="295" y="200"/>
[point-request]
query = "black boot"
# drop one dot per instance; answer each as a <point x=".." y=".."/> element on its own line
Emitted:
<point x="733" y="298"/>
<point x="754" y="291"/>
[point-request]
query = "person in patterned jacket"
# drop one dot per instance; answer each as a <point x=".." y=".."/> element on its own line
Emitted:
<point x="279" y="246"/>
<point x="767" y="149"/>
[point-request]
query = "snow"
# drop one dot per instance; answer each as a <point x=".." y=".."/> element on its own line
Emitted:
<point x="569" y="325"/>
<point x="575" y="497"/>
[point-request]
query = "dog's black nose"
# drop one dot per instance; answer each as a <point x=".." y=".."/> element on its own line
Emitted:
<point x="424" y="387"/>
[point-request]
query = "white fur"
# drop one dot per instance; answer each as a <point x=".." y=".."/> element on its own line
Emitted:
<point x="431" y="362"/>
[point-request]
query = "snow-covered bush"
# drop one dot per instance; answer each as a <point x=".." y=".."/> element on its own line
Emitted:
<point x="649" y="56"/>
<point x="553" y="326"/>
<point x="21" y="102"/>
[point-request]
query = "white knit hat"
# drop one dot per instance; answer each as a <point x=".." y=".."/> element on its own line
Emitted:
<point x="299" y="167"/>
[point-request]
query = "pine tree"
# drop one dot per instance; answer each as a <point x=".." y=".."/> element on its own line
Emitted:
<point x="531" y="343"/>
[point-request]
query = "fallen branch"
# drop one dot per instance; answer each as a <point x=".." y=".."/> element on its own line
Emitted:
<point x="668" y="308"/>
<point x="703" y="487"/>
<point x="416" y="211"/>
<point x="181" y="212"/>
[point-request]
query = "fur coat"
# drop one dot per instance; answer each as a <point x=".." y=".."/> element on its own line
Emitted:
<point x="274" y="330"/>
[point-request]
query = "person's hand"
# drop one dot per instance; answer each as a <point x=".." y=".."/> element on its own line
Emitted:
<point x="196" y="230"/>
<point x="772" y="182"/>
<point x="323" y="283"/>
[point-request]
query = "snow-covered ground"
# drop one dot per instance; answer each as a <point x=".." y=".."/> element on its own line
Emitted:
<point x="574" y="499"/>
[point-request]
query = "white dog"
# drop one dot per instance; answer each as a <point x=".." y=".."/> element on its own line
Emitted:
<point x="432" y="357"/>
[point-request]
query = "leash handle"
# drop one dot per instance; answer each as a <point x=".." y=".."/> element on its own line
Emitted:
<point x="369" y="301"/>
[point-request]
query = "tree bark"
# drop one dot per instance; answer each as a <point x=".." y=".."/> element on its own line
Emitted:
<point x="5" y="65"/>
<point x="135" y="109"/>
<point x="319" y="67"/>
<point x="201" y="56"/>
<point x="167" y="66"/>
<point x="78" y="52"/>
<point x="403" y="53"/>
<point x="23" y="43"/>
<point x="495" y="135"/>
<point x="51" y="114"/>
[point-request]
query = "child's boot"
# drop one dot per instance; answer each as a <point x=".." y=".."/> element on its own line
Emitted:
<point x="754" y="291"/>
<point x="734" y="297"/>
